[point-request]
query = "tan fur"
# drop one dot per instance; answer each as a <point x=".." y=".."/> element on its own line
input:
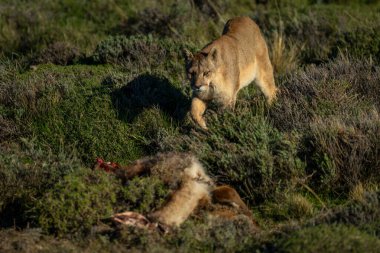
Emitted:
<point x="192" y="189"/>
<point x="172" y="168"/>
<point x="229" y="64"/>
<point x="183" y="173"/>
<point x="227" y="195"/>
<point x="183" y="202"/>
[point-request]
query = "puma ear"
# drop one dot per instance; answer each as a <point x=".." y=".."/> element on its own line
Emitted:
<point x="213" y="54"/>
<point x="188" y="55"/>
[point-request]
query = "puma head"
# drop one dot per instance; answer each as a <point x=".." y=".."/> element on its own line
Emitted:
<point x="202" y="71"/>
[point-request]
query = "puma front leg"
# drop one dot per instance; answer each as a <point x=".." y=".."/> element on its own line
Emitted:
<point x="198" y="107"/>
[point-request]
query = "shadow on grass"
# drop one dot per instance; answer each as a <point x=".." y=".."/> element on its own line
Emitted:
<point x="147" y="91"/>
<point x="13" y="215"/>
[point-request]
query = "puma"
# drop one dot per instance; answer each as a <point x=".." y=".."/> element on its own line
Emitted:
<point x="228" y="64"/>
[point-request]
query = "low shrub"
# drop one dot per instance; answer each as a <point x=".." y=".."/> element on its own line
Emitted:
<point x="26" y="172"/>
<point x="288" y="207"/>
<point x="341" y="87"/>
<point x="346" y="2"/>
<point x="320" y="32"/>
<point x="138" y="49"/>
<point x="364" y="214"/>
<point x="60" y="53"/>
<point x="151" y="20"/>
<point x="142" y="53"/>
<point x="142" y="195"/>
<point x="77" y="202"/>
<point x="33" y="240"/>
<point x="26" y="29"/>
<point x="323" y="238"/>
<point x="335" y="108"/>
<point x="60" y="106"/>
<point x="9" y="129"/>
<point x="243" y="149"/>
<point x="85" y="198"/>
<point x="200" y="234"/>
<point x="215" y="235"/>
<point x="344" y="153"/>
<point x="362" y="42"/>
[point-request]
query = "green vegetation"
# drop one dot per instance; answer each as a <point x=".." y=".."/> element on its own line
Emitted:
<point x="318" y="239"/>
<point x="86" y="79"/>
<point x="78" y="201"/>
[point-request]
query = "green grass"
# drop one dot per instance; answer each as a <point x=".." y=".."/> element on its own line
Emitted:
<point x="106" y="79"/>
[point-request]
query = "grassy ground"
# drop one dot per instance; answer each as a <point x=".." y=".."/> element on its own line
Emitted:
<point x="87" y="79"/>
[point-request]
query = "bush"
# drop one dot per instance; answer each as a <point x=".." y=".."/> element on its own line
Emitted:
<point x="25" y="29"/>
<point x="142" y="195"/>
<point x="290" y="206"/>
<point x="364" y="214"/>
<point x="360" y="43"/>
<point x="151" y="21"/>
<point x="141" y="53"/>
<point x="222" y="235"/>
<point x="201" y="234"/>
<point x="8" y="127"/>
<point x="347" y="2"/>
<point x="60" y="106"/>
<point x="335" y="107"/>
<point x="323" y="238"/>
<point x="79" y="201"/>
<point x="142" y="50"/>
<point x="320" y="32"/>
<point x="32" y="240"/>
<point x="344" y="154"/>
<point x="59" y="53"/>
<point x="82" y="199"/>
<point x="26" y="173"/>
<point x="245" y="151"/>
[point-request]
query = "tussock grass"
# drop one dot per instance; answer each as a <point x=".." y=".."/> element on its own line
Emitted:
<point x="284" y="60"/>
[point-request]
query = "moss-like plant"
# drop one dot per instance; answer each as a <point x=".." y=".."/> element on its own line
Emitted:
<point x="142" y="194"/>
<point x="77" y="202"/>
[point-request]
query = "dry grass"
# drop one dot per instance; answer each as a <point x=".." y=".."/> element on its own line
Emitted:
<point x="284" y="54"/>
<point x="299" y="206"/>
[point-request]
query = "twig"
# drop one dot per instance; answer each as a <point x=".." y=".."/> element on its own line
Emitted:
<point x="313" y="193"/>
